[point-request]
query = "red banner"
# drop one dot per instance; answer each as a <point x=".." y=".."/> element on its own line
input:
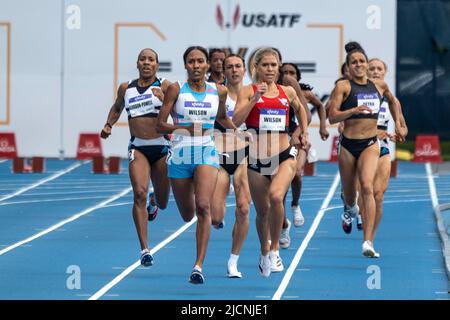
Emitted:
<point x="427" y="149"/>
<point x="89" y="146"/>
<point x="334" y="149"/>
<point x="8" y="145"/>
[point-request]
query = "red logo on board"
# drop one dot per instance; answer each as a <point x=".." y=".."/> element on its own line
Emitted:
<point x="8" y="145"/>
<point x="334" y="149"/>
<point x="427" y="149"/>
<point x="89" y="146"/>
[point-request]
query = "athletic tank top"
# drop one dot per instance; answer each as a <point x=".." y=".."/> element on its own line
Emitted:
<point x="385" y="115"/>
<point x="140" y="101"/>
<point x="367" y="95"/>
<point x="270" y="114"/>
<point x="198" y="107"/>
<point x="292" y="117"/>
<point x="229" y="104"/>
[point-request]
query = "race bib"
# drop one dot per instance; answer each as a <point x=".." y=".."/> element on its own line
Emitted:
<point x="140" y="105"/>
<point x="370" y="100"/>
<point x="383" y="117"/>
<point x="197" y="111"/>
<point x="272" y="119"/>
<point x="230" y="109"/>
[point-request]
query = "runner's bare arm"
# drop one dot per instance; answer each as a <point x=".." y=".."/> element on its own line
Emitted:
<point x="115" y="111"/>
<point x="222" y="116"/>
<point x="244" y="104"/>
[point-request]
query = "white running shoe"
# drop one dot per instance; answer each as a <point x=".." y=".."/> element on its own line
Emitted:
<point x="264" y="265"/>
<point x="276" y="263"/>
<point x="299" y="220"/>
<point x="231" y="191"/>
<point x="353" y="211"/>
<point x="376" y="254"/>
<point x="285" y="239"/>
<point x="232" y="271"/>
<point x="367" y="249"/>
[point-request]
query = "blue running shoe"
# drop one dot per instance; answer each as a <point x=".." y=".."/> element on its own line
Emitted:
<point x="196" y="277"/>
<point x="151" y="209"/>
<point x="146" y="258"/>
<point x="220" y="225"/>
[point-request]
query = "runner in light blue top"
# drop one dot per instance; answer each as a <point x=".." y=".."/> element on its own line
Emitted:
<point x="193" y="163"/>
<point x="191" y="151"/>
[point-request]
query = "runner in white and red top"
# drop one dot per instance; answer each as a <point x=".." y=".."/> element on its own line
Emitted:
<point x="264" y="106"/>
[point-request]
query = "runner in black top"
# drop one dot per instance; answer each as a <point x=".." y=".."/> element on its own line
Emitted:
<point x="357" y="101"/>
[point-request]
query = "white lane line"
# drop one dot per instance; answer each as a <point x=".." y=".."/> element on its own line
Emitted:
<point x="414" y="176"/>
<point x="68" y="192"/>
<point x="50" y="200"/>
<point x="228" y="205"/>
<point x="68" y="185"/>
<point x="432" y="186"/>
<point x="384" y="202"/>
<point x="298" y="255"/>
<point x="41" y="182"/>
<point x="437" y="271"/>
<point x="137" y="264"/>
<point x="442" y="230"/>
<point x="170" y="200"/>
<point x="100" y="181"/>
<point x="64" y="222"/>
<point x="85" y="186"/>
<point x="408" y="200"/>
<point x="119" y="204"/>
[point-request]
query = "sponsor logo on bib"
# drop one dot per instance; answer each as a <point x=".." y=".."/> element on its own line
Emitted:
<point x="369" y="100"/>
<point x="272" y="119"/>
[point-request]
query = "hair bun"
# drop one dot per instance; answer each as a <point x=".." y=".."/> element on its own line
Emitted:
<point x="353" y="45"/>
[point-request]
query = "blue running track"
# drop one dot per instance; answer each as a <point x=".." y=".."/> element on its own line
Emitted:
<point x="70" y="219"/>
